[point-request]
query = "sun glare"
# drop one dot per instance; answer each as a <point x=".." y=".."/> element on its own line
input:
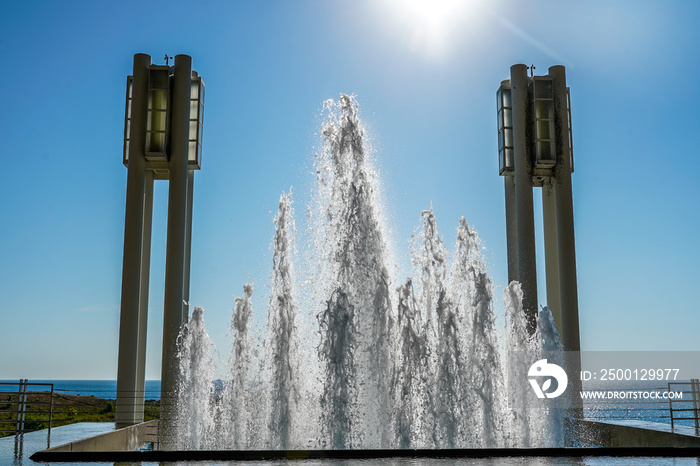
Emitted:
<point x="432" y="11"/>
<point x="431" y="24"/>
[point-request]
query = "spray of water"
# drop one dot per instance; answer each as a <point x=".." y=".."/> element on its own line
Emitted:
<point x="418" y="365"/>
<point x="357" y="319"/>
<point x="195" y="398"/>
<point x="281" y="328"/>
<point x="552" y="350"/>
<point x="521" y="351"/>
<point x="409" y="383"/>
<point x="472" y="294"/>
<point x="240" y="392"/>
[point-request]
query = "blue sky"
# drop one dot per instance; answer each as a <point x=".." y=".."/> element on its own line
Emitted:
<point x="426" y="84"/>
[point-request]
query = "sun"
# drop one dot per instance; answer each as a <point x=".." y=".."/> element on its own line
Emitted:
<point x="433" y="12"/>
<point x="430" y="25"/>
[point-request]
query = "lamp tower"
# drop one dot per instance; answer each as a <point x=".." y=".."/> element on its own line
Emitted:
<point x="535" y="150"/>
<point x="162" y="141"/>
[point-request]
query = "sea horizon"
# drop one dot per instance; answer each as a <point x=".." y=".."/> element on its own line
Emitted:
<point x="100" y="388"/>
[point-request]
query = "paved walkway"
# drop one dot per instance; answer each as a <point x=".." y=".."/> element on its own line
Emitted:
<point x="658" y="426"/>
<point x="636" y="433"/>
<point x="16" y="450"/>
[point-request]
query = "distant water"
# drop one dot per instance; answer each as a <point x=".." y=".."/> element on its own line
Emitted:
<point x="639" y="409"/>
<point x="97" y="388"/>
<point x="655" y="411"/>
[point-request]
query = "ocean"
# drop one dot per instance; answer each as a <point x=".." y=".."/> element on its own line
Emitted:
<point x="98" y="388"/>
<point x="641" y="401"/>
<point x="602" y="409"/>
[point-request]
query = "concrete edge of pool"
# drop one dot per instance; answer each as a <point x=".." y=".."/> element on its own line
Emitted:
<point x="252" y="455"/>
<point x="620" y="440"/>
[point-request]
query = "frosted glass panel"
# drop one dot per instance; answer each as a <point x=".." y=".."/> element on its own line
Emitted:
<point x="126" y="150"/>
<point x="506" y="98"/>
<point x="158" y="99"/>
<point x="505" y="160"/>
<point x="544" y="109"/>
<point x="159" y="79"/>
<point x="155" y="142"/>
<point x="508" y="133"/>
<point x="543" y="89"/>
<point x="545" y="152"/>
<point x="543" y="129"/>
<point x="156" y="121"/>
<point x="192" y="151"/>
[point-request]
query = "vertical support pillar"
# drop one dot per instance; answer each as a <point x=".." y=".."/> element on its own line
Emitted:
<point x="188" y="247"/>
<point x="177" y="226"/>
<point x="525" y="217"/>
<point x="566" y="248"/>
<point x="563" y="205"/>
<point x="551" y="256"/>
<point x="511" y="229"/>
<point x="143" y="307"/>
<point x="130" y="314"/>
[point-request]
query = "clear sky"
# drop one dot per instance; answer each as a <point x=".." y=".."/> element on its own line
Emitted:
<point x="426" y="83"/>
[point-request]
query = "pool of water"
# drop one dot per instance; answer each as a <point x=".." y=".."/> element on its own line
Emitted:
<point x="16" y="451"/>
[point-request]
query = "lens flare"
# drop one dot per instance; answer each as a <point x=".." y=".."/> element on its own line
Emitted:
<point x="431" y="25"/>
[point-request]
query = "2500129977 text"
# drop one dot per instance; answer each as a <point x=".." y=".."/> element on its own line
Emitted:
<point x="631" y="374"/>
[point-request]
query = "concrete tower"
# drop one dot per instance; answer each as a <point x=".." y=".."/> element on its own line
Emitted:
<point x="162" y="141"/>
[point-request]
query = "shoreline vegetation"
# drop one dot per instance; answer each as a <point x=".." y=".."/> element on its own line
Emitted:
<point x="67" y="409"/>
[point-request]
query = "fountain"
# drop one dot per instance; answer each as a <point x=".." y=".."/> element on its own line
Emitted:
<point x="354" y="357"/>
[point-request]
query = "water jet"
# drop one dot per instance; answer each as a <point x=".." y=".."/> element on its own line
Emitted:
<point x="412" y="362"/>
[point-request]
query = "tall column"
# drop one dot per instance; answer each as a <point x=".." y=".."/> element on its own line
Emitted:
<point x="511" y="229"/>
<point x="564" y="208"/>
<point x="525" y="217"/>
<point x="143" y="306"/>
<point x="566" y="248"/>
<point x="188" y="246"/>
<point x="177" y="225"/>
<point x="131" y="311"/>
<point x="551" y="256"/>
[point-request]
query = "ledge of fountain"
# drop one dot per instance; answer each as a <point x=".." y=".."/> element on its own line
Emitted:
<point x="262" y="455"/>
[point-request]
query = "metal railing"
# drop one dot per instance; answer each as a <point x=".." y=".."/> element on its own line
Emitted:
<point x="152" y="435"/>
<point x="22" y="402"/>
<point x="683" y="412"/>
<point x="654" y="409"/>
